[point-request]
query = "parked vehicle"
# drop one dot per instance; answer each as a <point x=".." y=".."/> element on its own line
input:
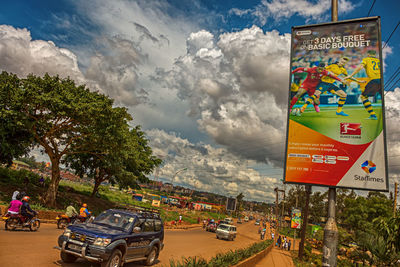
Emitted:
<point x="226" y="231"/>
<point x="115" y="237"/>
<point x="14" y="221"/>
<point x="246" y="219"/>
<point x="257" y="222"/>
<point x="211" y="227"/>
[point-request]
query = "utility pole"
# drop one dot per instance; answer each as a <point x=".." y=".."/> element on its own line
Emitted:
<point x="305" y="222"/>
<point x="395" y="200"/>
<point x="277" y="210"/>
<point x="331" y="234"/>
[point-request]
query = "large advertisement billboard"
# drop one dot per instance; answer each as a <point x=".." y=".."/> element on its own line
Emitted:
<point x="336" y="123"/>
<point x="231" y="204"/>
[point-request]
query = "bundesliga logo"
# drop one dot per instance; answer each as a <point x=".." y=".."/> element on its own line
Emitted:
<point x="368" y="166"/>
<point x="350" y="128"/>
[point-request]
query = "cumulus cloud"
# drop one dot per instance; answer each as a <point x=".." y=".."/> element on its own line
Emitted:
<point x="283" y="9"/>
<point x="237" y="87"/>
<point x="112" y="70"/>
<point x="205" y="168"/>
<point x="21" y="55"/>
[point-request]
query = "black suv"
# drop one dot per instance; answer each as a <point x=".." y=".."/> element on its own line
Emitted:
<point x="115" y="237"/>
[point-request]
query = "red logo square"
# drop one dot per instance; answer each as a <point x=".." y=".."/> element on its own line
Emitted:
<point x="350" y="128"/>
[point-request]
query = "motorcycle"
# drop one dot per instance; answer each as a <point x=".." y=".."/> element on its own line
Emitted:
<point x="63" y="220"/>
<point x="14" y="221"/>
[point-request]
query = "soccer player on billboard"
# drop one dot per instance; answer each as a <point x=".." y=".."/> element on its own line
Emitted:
<point x="328" y="84"/>
<point x="372" y="67"/>
<point x="310" y="83"/>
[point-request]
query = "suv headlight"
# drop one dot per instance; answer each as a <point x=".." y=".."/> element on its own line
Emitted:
<point x="102" y="242"/>
<point x="67" y="233"/>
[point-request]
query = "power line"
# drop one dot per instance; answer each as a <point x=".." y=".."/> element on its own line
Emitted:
<point x="387" y="41"/>
<point x="393" y="76"/>
<point x="371" y="8"/>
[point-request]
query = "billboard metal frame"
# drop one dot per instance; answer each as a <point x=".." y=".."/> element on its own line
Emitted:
<point x="374" y="19"/>
<point x="227" y="202"/>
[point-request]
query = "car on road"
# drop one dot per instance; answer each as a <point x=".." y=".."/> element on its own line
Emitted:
<point x="246" y="219"/>
<point x="228" y="220"/>
<point x="115" y="237"/>
<point x="211" y="227"/>
<point x="226" y="231"/>
<point x="239" y="221"/>
<point x="257" y="222"/>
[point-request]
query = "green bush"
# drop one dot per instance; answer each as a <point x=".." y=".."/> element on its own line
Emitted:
<point x="223" y="259"/>
<point x="17" y="177"/>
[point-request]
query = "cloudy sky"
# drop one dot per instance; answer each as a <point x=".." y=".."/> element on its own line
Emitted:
<point x="206" y="79"/>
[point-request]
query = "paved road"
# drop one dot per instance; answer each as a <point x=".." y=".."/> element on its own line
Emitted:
<point x="24" y="248"/>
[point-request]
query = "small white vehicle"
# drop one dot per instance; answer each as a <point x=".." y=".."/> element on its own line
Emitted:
<point x="246" y="219"/>
<point x="226" y="231"/>
<point x="229" y="220"/>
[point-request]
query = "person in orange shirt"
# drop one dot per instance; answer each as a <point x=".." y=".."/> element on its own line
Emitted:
<point x="84" y="212"/>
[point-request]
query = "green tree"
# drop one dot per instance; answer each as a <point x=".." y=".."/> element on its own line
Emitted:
<point x="15" y="138"/>
<point x="318" y="207"/>
<point x="62" y="114"/>
<point x="123" y="157"/>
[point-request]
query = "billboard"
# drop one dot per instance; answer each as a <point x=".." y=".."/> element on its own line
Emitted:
<point x="296" y="219"/>
<point x="336" y="123"/>
<point x="231" y="204"/>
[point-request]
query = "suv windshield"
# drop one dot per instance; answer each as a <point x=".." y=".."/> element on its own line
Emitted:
<point x="115" y="219"/>
<point x="223" y="227"/>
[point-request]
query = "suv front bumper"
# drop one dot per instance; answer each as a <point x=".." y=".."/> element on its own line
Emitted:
<point x="86" y="251"/>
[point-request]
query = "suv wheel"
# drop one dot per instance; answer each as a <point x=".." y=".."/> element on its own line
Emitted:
<point x="115" y="259"/>
<point x="151" y="258"/>
<point x="67" y="258"/>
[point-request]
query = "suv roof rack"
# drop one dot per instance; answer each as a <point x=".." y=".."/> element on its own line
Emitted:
<point x="145" y="212"/>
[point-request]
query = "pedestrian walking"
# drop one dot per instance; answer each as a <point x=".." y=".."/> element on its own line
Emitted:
<point x="289" y="245"/>
<point x="180" y="219"/>
<point x="279" y="241"/>
<point x="272" y="235"/>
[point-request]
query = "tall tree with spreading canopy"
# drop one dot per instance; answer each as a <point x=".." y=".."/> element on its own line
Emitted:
<point x="123" y="158"/>
<point x="15" y="138"/>
<point x="62" y="115"/>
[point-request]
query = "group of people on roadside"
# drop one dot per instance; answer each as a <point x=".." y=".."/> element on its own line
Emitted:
<point x="20" y="205"/>
<point x="284" y="243"/>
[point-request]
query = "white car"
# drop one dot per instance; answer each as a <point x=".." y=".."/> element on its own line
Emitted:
<point x="229" y="220"/>
<point x="226" y="231"/>
<point x="246" y="219"/>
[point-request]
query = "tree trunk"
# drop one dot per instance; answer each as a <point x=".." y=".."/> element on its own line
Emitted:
<point x="97" y="183"/>
<point x="98" y="179"/>
<point x="51" y="194"/>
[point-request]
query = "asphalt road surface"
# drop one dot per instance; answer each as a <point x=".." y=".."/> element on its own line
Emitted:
<point x="24" y="248"/>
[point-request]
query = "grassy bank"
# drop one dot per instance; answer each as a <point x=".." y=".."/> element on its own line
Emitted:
<point x="78" y="193"/>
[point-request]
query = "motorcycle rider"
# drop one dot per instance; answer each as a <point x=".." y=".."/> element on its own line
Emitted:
<point x="71" y="212"/>
<point x="84" y="212"/>
<point x="15" y="205"/>
<point x="26" y="210"/>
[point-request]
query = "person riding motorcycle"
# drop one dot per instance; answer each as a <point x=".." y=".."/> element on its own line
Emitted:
<point x="26" y="210"/>
<point x="84" y="212"/>
<point x="71" y="212"/>
<point x="15" y="206"/>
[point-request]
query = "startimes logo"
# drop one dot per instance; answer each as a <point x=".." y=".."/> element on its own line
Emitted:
<point x="368" y="166"/>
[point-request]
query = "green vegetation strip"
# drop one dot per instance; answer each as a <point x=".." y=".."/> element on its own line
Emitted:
<point x="223" y="259"/>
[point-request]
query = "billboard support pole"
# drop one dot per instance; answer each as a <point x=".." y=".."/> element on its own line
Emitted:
<point x="395" y="199"/>
<point x="331" y="234"/>
<point x="305" y="222"/>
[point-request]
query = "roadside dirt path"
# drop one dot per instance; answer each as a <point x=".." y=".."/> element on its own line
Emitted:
<point x="35" y="249"/>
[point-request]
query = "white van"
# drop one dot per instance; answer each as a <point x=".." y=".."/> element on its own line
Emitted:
<point x="226" y="231"/>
